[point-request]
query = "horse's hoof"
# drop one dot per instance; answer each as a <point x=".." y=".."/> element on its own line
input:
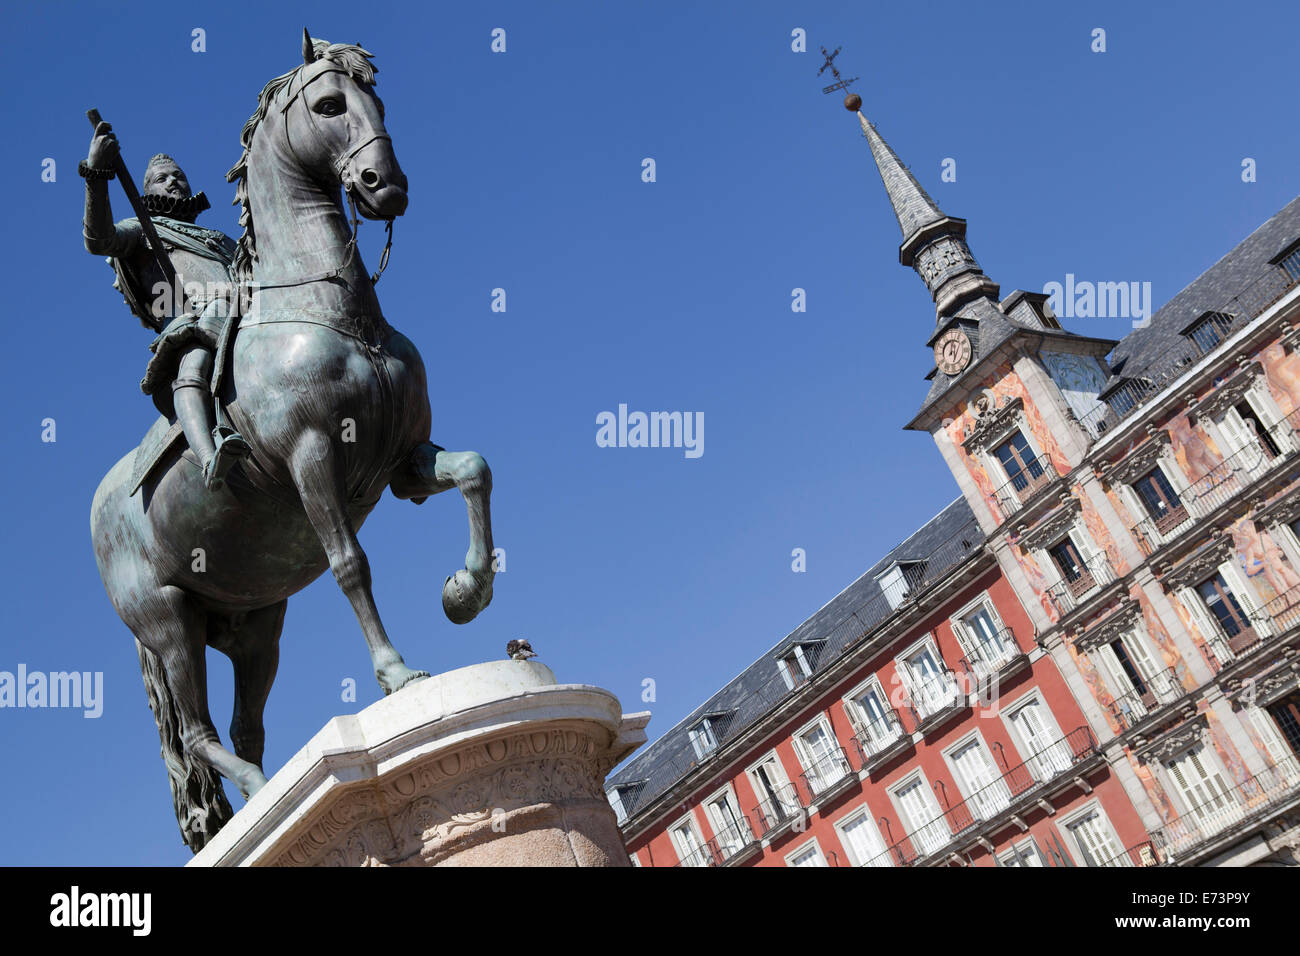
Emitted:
<point x="394" y="677"/>
<point x="254" y="783"/>
<point x="465" y="594"/>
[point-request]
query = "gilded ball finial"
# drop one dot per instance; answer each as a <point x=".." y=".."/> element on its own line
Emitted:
<point x="853" y="102"/>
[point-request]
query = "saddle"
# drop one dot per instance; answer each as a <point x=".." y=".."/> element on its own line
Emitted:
<point x="166" y="431"/>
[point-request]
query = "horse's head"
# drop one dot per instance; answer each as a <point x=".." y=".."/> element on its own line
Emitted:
<point x="334" y="124"/>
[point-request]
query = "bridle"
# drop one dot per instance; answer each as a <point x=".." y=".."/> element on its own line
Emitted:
<point x="348" y="188"/>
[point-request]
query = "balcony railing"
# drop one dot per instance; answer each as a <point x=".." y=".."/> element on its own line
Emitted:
<point x="1025" y="484"/>
<point x="1141" y="854"/>
<point x="1231" y="477"/>
<point x="1244" y="307"/>
<point x="827" y="775"/>
<point x="1233" y="642"/>
<point x="1238" y="806"/>
<point x="1096" y="573"/>
<point x="934" y="696"/>
<point x="992" y="656"/>
<point x="772" y="814"/>
<point x="1155" y="691"/>
<point x="1151" y="533"/>
<point x="992" y="803"/>
<point x="878" y="739"/>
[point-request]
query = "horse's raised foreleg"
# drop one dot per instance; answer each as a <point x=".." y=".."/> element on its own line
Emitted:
<point x="317" y="473"/>
<point x="429" y="470"/>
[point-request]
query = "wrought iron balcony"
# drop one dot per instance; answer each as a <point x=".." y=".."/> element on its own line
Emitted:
<point x="1095" y="574"/>
<point x="1001" y="656"/>
<point x="1232" y="642"/>
<point x="773" y="815"/>
<point x="1038" y="474"/>
<point x="1141" y="854"/>
<point x="1151" y="533"/>
<point x="828" y="777"/>
<point x="935" y="699"/>
<point x="1147" y="698"/>
<point x="879" y="740"/>
<point x="990" y="807"/>
<point x="1232" y="809"/>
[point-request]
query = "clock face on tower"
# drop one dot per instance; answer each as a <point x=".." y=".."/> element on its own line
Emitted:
<point x="952" y="352"/>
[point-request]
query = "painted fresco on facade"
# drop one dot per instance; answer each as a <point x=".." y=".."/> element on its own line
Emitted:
<point x="1159" y="636"/>
<point x="1264" y="564"/>
<point x="1155" y="793"/>
<point x="1100" y="691"/>
<point x="1194" y="448"/>
<point x="1099" y="534"/>
<point x="1282" y="373"/>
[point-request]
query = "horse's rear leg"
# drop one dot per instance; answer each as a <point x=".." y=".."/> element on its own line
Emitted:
<point x="318" y="476"/>
<point x="429" y="470"/>
<point x="176" y="631"/>
<point x="254" y="651"/>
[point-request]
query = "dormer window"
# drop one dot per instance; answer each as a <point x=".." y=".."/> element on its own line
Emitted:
<point x="704" y="735"/>
<point x="621" y="798"/>
<point x="1209" y="330"/>
<point x="896" y="581"/>
<point x="797" y="662"/>
<point x="1289" y="261"/>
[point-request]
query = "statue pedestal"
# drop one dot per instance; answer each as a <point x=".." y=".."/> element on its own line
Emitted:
<point x="494" y="764"/>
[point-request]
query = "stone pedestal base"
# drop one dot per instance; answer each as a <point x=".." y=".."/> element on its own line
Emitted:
<point x="489" y="765"/>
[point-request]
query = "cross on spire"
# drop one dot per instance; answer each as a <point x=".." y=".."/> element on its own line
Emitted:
<point x="840" y="83"/>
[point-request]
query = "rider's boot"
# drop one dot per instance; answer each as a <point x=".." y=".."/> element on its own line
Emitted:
<point x="217" y="448"/>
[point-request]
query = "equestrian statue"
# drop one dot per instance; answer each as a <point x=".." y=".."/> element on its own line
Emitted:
<point x="288" y="404"/>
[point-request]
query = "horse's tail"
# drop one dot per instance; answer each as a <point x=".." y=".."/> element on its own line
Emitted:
<point x="201" y="805"/>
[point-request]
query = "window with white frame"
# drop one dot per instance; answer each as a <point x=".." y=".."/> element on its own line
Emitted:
<point x="895" y="581"/>
<point x="1136" y="682"/>
<point x="1220" y="603"/>
<point x="621" y="797"/>
<point x="1252" y="433"/>
<point x="819" y="752"/>
<point x="984" y="638"/>
<point x="810" y="854"/>
<point x="1280" y="755"/>
<point x="688" y="843"/>
<point x="1023" y="467"/>
<point x="876" y="723"/>
<point x="729" y="828"/>
<point x="704" y="735"/>
<point x="978" y="778"/>
<point x="921" y="815"/>
<point x="797" y="662"/>
<point x="1038" y="737"/>
<point x="861" y="839"/>
<point x="776" y="799"/>
<point x="1158" y="495"/>
<point x="1207" y="800"/>
<point x="928" y="679"/>
<point x="1094" y="839"/>
<point x="1075" y="564"/>
<point x="1024" y="853"/>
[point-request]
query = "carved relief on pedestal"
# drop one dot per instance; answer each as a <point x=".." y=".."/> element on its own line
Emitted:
<point x="453" y="799"/>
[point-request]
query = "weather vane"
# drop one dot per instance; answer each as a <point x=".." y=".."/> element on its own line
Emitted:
<point x="852" y="101"/>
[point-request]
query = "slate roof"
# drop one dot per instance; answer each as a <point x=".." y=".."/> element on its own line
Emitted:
<point x="943" y="542"/>
<point x="1160" y="348"/>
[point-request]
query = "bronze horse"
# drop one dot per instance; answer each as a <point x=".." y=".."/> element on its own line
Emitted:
<point x="334" y="403"/>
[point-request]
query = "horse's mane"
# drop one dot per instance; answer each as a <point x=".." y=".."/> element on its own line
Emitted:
<point x="355" y="62"/>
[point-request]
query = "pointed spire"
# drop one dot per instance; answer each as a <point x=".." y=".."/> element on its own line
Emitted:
<point x="913" y="206"/>
<point x="934" y="244"/>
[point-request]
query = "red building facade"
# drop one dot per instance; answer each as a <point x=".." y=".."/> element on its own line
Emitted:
<point x="1092" y="657"/>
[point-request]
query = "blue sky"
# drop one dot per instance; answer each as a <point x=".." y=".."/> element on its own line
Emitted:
<point x="525" y="172"/>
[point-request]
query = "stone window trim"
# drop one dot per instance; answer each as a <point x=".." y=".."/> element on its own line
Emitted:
<point x="1124" y="620"/>
<point x="1229" y="393"/>
<point x="992" y="425"/>
<point x="1078" y="814"/>
<point x="1167" y="743"/>
<point x="1269" y="687"/>
<point x="1052" y="527"/>
<point x="803" y="848"/>
<point x="1195" y="568"/>
<point x="1151" y="454"/>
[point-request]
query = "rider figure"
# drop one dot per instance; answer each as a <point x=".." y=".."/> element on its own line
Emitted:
<point x="184" y="352"/>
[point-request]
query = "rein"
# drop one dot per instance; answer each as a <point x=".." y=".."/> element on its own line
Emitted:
<point x="348" y="186"/>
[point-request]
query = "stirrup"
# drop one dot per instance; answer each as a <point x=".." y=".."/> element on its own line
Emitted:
<point x="230" y="448"/>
